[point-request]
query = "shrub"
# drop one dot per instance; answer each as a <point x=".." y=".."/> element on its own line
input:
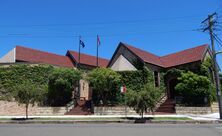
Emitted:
<point x="62" y="83"/>
<point x="105" y="83"/>
<point x="194" y="88"/>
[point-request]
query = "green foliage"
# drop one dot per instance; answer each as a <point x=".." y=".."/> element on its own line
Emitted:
<point x="135" y="80"/>
<point x="142" y="94"/>
<point x="206" y="68"/>
<point x="194" y="88"/>
<point x="106" y="84"/>
<point x="172" y="73"/>
<point x="4" y="95"/>
<point x="28" y="93"/>
<point x="59" y="82"/>
<point x="144" y="99"/>
<point x="16" y="74"/>
<point x="62" y="82"/>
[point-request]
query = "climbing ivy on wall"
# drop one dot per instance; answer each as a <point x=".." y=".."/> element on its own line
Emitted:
<point x="58" y="82"/>
<point x="13" y="75"/>
<point x="135" y="80"/>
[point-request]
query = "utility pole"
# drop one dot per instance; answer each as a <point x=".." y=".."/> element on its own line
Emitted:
<point x="210" y="26"/>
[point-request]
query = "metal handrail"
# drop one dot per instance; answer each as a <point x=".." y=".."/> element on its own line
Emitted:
<point x="70" y="104"/>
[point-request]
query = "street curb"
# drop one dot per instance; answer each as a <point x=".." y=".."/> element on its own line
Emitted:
<point x="65" y="122"/>
<point x="187" y="122"/>
<point x="108" y="122"/>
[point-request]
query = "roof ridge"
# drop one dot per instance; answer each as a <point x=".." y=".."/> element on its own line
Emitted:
<point x="185" y="50"/>
<point x="140" y="49"/>
<point x="157" y="62"/>
<point x="39" y="50"/>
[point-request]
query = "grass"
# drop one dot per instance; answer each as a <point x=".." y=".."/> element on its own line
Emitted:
<point x="2" y="119"/>
<point x="172" y="118"/>
<point x="81" y="119"/>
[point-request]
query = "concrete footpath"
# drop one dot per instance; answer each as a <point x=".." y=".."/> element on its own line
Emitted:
<point x="195" y="119"/>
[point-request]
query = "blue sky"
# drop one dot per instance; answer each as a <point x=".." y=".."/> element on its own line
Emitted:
<point x="158" y="26"/>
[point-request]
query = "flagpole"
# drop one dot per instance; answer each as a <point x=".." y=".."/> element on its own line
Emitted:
<point x="79" y="53"/>
<point x="97" y="54"/>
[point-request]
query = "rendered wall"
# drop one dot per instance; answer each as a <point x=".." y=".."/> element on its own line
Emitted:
<point x="122" y="64"/>
<point x="9" y="57"/>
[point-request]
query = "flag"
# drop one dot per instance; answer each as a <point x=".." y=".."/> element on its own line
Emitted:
<point x="81" y="43"/>
<point x="98" y="40"/>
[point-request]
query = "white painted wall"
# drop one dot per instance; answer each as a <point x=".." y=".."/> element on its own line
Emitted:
<point x="122" y="64"/>
<point x="9" y="57"/>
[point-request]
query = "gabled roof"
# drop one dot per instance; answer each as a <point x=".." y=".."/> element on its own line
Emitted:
<point x="171" y="60"/>
<point x="144" y="55"/>
<point x="185" y="56"/>
<point x="36" y="56"/>
<point x="88" y="59"/>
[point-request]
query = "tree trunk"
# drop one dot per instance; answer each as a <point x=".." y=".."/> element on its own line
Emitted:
<point x="26" y="110"/>
<point x="142" y="114"/>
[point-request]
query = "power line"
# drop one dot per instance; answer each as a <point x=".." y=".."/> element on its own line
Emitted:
<point x="101" y="35"/>
<point x="217" y="37"/>
<point x="104" y="23"/>
<point x="219" y="41"/>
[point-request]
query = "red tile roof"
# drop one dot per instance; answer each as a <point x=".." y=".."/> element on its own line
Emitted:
<point x="88" y="59"/>
<point x="145" y="56"/>
<point x="185" y="56"/>
<point x="36" y="56"/>
<point x="171" y="60"/>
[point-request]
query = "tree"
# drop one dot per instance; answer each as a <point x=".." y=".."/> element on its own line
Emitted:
<point x="62" y="83"/>
<point x="105" y="83"/>
<point x="194" y="88"/>
<point x="145" y="99"/>
<point x="28" y="93"/>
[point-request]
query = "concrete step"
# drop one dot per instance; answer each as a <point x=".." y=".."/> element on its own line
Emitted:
<point x="167" y="107"/>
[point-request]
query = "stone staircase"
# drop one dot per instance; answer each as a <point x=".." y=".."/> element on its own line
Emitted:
<point x="83" y="107"/>
<point x="166" y="107"/>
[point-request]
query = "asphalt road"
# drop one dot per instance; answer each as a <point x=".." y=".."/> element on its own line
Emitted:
<point x="110" y="130"/>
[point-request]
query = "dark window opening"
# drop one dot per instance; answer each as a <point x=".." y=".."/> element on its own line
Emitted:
<point x="156" y="78"/>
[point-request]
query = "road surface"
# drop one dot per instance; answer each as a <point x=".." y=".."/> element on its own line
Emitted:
<point x="110" y="130"/>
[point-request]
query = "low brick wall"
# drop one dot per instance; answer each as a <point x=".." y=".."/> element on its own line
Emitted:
<point x="193" y="110"/>
<point x="13" y="109"/>
<point x="120" y="110"/>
